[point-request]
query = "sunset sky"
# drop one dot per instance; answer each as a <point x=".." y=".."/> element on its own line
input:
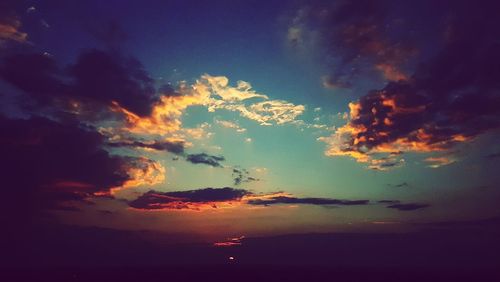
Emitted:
<point x="208" y="120"/>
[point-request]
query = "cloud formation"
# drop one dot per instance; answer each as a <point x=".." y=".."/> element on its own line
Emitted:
<point x="192" y="199"/>
<point x="9" y="30"/>
<point x="308" y="201"/>
<point x="212" y="198"/>
<point x="176" y="147"/>
<point x="355" y="36"/>
<point x="52" y="164"/>
<point x="241" y="175"/>
<point x="447" y="101"/>
<point x="230" y="124"/>
<point x="203" y="158"/>
<point x="218" y="94"/>
<point x="96" y="81"/>
<point x="214" y="93"/>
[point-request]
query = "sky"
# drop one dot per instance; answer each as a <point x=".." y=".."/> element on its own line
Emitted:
<point x="208" y="120"/>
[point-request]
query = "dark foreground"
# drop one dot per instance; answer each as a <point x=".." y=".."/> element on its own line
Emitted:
<point x="443" y="252"/>
<point x="249" y="273"/>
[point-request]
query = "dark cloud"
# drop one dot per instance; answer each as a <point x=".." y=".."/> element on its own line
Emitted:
<point x="96" y="80"/>
<point x="307" y="201"/>
<point x="408" y="207"/>
<point x="358" y="36"/>
<point x="51" y="164"/>
<point x="388" y="201"/>
<point x="204" y="158"/>
<point x="176" y="147"/>
<point x="35" y="74"/>
<point x="400" y="185"/>
<point x="452" y="98"/>
<point x="108" y="77"/>
<point x="193" y="199"/>
<point x="241" y="175"/>
<point x="184" y="199"/>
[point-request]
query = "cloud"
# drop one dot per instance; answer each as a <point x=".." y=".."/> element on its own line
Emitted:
<point x="400" y="185"/>
<point x="95" y="82"/>
<point x="436" y="162"/>
<point x="9" y="30"/>
<point x="201" y="132"/>
<point x="230" y="124"/>
<point x="103" y="85"/>
<point x="408" y="206"/>
<point x="214" y="93"/>
<point x="277" y="111"/>
<point x="241" y="175"/>
<point x="213" y="198"/>
<point x="446" y="102"/>
<point x="218" y="94"/>
<point x="388" y="201"/>
<point x="219" y="85"/>
<point x="307" y="201"/>
<point x="142" y="172"/>
<point x="230" y="242"/>
<point x="355" y="36"/>
<point x="204" y="158"/>
<point x="10" y="23"/>
<point x="329" y="82"/>
<point x="111" y="78"/>
<point x="176" y="147"/>
<point x="192" y="199"/>
<point x="54" y="163"/>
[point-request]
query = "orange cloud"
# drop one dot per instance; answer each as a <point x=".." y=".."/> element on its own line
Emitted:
<point x="230" y="242"/>
<point x="10" y="31"/>
<point x="391" y="72"/>
<point x="142" y="172"/>
<point x="212" y="92"/>
<point x="436" y="162"/>
<point x="372" y="133"/>
<point x="165" y="115"/>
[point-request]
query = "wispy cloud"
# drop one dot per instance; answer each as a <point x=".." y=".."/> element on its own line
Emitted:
<point x="230" y="124"/>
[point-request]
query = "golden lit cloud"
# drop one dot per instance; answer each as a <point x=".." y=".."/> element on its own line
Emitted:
<point x="369" y="135"/>
<point x="214" y="93"/>
<point x="142" y="172"/>
<point x="436" y="162"/>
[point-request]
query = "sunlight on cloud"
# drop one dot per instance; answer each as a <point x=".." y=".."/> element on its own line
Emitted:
<point x="214" y="93"/>
<point x="143" y="172"/>
<point x="230" y="124"/>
